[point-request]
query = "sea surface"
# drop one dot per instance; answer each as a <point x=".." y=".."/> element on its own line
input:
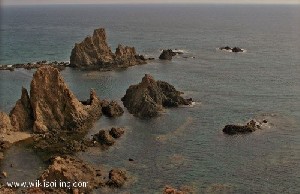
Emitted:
<point x="184" y="146"/>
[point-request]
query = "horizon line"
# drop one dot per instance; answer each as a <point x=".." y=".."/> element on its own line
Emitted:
<point x="149" y="3"/>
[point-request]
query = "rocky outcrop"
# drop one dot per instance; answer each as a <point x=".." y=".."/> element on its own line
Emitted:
<point x="55" y="107"/>
<point x="94" y="53"/>
<point x="5" y="123"/>
<point x="117" y="178"/>
<point x="116" y="132"/>
<point x="167" y="54"/>
<point x="104" y="138"/>
<point x="21" y="115"/>
<point x="107" y="138"/>
<point x="234" y="49"/>
<point x="111" y="109"/>
<point x="148" y="98"/>
<point x="251" y="126"/>
<point x="69" y="169"/>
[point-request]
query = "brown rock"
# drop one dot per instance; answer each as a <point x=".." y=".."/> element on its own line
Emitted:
<point x="117" y="178"/>
<point x="104" y="138"/>
<point x="69" y="169"/>
<point x="21" y="115"/>
<point x="55" y="107"/>
<point x="94" y="53"/>
<point x="5" y="123"/>
<point x="167" y="54"/>
<point x="116" y="132"/>
<point x="148" y="98"/>
<point x="112" y="109"/>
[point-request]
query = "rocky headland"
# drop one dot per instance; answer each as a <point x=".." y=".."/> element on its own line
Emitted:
<point x="94" y="53"/>
<point x="148" y="98"/>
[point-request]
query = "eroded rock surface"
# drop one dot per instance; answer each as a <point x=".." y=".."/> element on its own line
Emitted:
<point x="148" y="98"/>
<point x="5" y="123"/>
<point x="55" y="107"/>
<point x="111" y="109"/>
<point x="70" y="169"/>
<point x="117" y="178"/>
<point x="21" y="115"/>
<point x="94" y="53"/>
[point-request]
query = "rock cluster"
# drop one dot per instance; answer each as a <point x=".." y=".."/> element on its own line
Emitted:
<point x="69" y="169"/>
<point x="35" y="65"/>
<point x="251" y="126"/>
<point x="107" y="138"/>
<point x="234" y="49"/>
<point x="148" y="98"/>
<point x="94" y="53"/>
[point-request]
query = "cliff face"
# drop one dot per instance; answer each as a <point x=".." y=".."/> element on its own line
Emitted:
<point x="94" y="53"/>
<point x="21" y="115"/>
<point x="148" y="98"/>
<point x="55" y="106"/>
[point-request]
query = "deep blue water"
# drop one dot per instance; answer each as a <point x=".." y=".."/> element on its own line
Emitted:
<point x="184" y="146"/>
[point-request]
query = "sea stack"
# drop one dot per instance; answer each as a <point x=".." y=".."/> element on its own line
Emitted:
<point x="55" y="107"/>
<point x="94" y="53"/>
<point x="148" y="98"/>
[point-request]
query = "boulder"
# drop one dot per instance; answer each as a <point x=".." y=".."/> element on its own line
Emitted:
<point x="104" y="138"/>
<point x="251" y="126"/>
<point x="116" y="132"/>
<point x="167" y="54"/>
<point x="236" y="50"/>
<point x="148" y="98"/>
<point x="55" y="107"/>
<point x="112" y="109"/>
<point x="22" y="115"/>
<point x="70" y="169"/>
<point x="94" y="53"/>
<point x="117" y="178"/>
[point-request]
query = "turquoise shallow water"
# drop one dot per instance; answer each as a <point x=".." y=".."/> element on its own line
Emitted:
<point x="185" y="146"/>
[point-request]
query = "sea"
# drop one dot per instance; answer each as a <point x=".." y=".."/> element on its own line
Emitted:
<point x="184" y="147"/>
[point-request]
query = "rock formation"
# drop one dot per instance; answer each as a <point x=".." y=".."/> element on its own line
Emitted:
<point x="234" y="49"/>
<point x="111" y="109"/>
<point x="148" y="98"/>
<point x="5" y="123"/>
<point x="167" y="54"/>
<point x="116" y="132"/>
<point x="251" y="126"/>
<point x="94" y="53"/>
<point x="69" y="169"/>
<point x="21" y="115"/>
<point x="117" y="178"/>
<point x="55" y="107"/>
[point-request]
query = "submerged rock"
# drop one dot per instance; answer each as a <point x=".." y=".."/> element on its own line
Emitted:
<point x="234" y="49"/>
<point x="94" y="53"/>
<point x="167" y="54"/>
<point x="148" y="98"/>
<point x="251" y="126"/>
<point x="55" y="107"/>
